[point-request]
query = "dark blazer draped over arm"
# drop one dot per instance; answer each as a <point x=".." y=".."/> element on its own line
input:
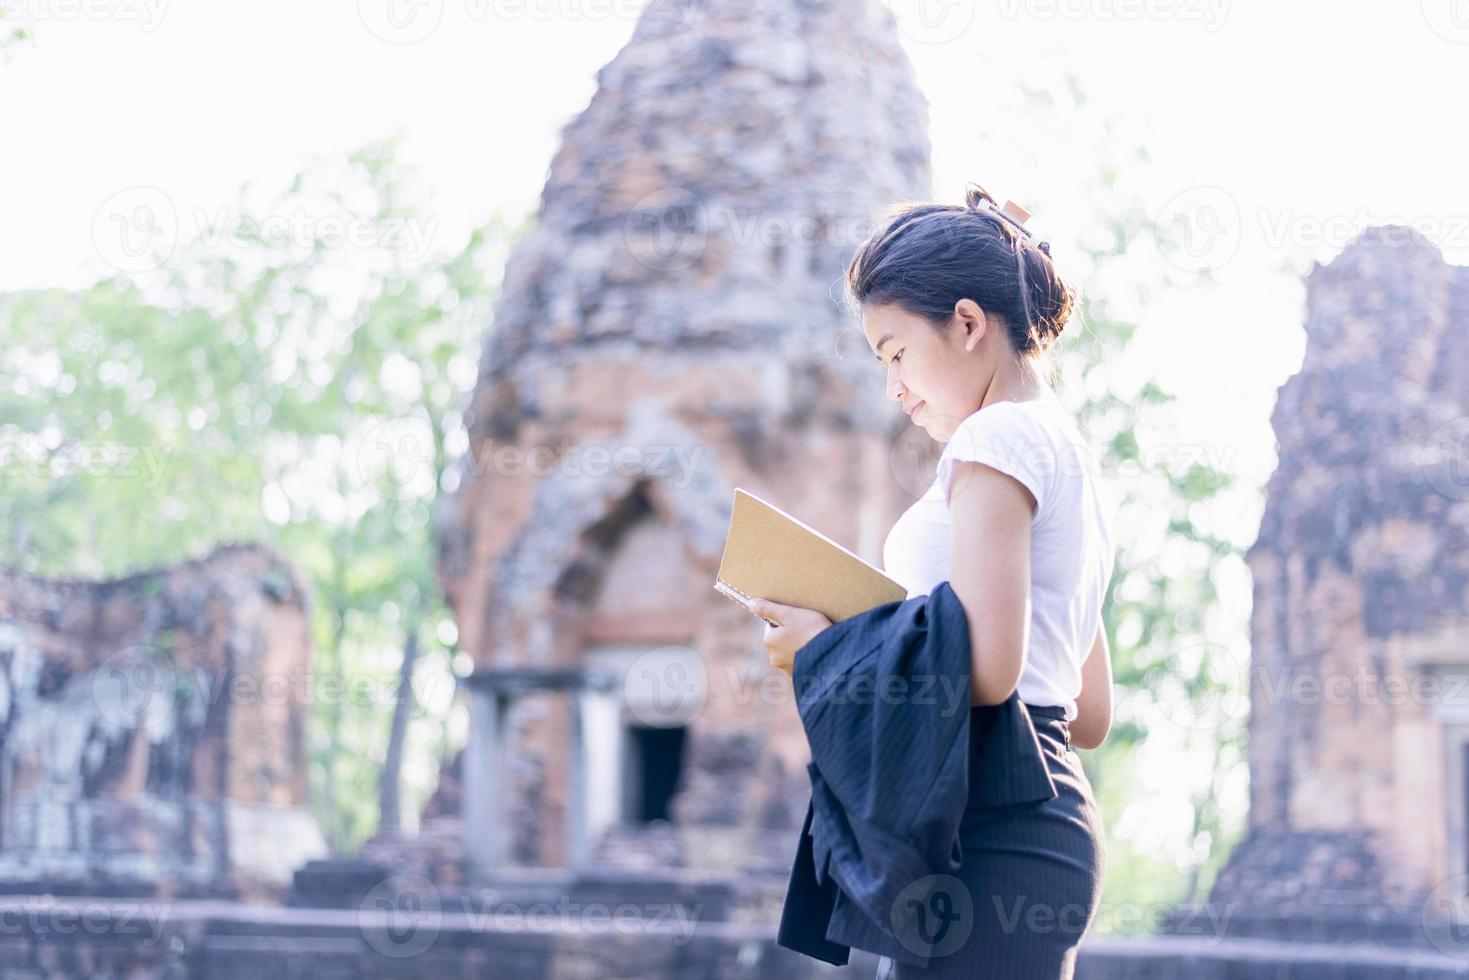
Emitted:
<point x="884" y="698"/>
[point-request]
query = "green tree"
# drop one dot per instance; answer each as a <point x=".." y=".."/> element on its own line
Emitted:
<point x="12" y="34"/>
<point x="294" y="373"/>
<point x="1174" y="666"/>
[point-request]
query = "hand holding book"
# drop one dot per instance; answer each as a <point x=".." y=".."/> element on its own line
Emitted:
<point x="792" y="628"/>
<point x="772" y="555"/>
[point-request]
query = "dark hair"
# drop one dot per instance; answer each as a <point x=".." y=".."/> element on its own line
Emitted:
<point x="927" y="257"/>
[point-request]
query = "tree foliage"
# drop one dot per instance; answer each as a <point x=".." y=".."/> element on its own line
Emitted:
<point x="270" y="380"/>
<point x="1178" y="672"/>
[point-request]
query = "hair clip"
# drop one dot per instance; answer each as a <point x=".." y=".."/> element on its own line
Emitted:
<point x="1017" y="215"/>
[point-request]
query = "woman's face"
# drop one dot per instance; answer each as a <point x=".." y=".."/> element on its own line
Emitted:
<point x="939" y="376"/>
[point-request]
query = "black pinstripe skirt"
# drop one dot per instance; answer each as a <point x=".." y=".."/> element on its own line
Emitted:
<point x="1030" y="884"/>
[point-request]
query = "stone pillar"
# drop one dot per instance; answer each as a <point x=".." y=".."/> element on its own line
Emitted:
<point x="486" y="806"/>
<point x="599" y="771"/>
<point x="486" y="832"/>
<point x="1447" y="759"/>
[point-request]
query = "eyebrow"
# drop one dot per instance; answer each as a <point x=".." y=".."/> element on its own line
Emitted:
<point x="885" y="338"/>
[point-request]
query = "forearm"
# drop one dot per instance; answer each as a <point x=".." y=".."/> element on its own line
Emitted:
<point x="994" y="672"/>
<point x="1094" y="704"/>
<point x="1089" y="728"/>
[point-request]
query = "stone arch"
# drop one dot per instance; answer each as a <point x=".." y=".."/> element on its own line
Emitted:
<point x="665" y="505"/>
<point x="582" y="513"/>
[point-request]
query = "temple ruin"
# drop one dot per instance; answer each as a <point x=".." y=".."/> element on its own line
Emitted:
<point x="154" y="742"/>
<point x="669" y="330"/>
<point x="1359" y="683"/>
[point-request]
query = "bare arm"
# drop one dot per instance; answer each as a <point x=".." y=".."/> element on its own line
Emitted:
<point x="991" y="514"/>
<point x="1094" y="704"/>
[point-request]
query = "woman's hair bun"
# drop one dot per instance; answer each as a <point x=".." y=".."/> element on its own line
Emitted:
<point x="1051" y="299"/>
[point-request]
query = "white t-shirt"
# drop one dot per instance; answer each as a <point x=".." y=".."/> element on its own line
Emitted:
<point x="1071" y="549"/>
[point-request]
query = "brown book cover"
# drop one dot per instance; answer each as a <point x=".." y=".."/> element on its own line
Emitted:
<point x="771" y="555"/>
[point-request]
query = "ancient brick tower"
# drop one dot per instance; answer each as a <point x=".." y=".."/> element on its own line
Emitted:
<point x="1359" y="713"/>
<point x="668" y="331"/>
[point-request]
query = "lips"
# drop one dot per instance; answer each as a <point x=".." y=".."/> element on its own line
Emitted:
<point x="913" y="410"/>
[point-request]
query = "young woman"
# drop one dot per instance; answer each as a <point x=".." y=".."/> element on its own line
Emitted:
<point x="962" y="306"/>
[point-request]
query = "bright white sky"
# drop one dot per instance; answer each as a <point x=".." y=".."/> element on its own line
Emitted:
<point x="1295" y="122"/>
<point x="1292" y="114"/>
<point x="1287" y="114"/>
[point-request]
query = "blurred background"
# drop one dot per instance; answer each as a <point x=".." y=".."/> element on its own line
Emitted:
<point x="376" y="376"/>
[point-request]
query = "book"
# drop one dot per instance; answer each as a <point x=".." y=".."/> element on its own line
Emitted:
<point x="771" y="555"/>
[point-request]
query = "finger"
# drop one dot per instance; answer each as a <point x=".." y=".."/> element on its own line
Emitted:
<point x="769" y="609"/>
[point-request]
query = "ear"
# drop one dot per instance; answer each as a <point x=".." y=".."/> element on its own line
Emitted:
<point x="974" y="321"/>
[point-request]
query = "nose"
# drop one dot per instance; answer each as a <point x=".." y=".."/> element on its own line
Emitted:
<point x="896" y="388"/>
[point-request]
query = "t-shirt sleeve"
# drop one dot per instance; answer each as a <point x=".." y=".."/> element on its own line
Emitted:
<point x="1005" y="438"/>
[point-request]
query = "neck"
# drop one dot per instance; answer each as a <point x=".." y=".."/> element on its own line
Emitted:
<point x="1014" y="383"/>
